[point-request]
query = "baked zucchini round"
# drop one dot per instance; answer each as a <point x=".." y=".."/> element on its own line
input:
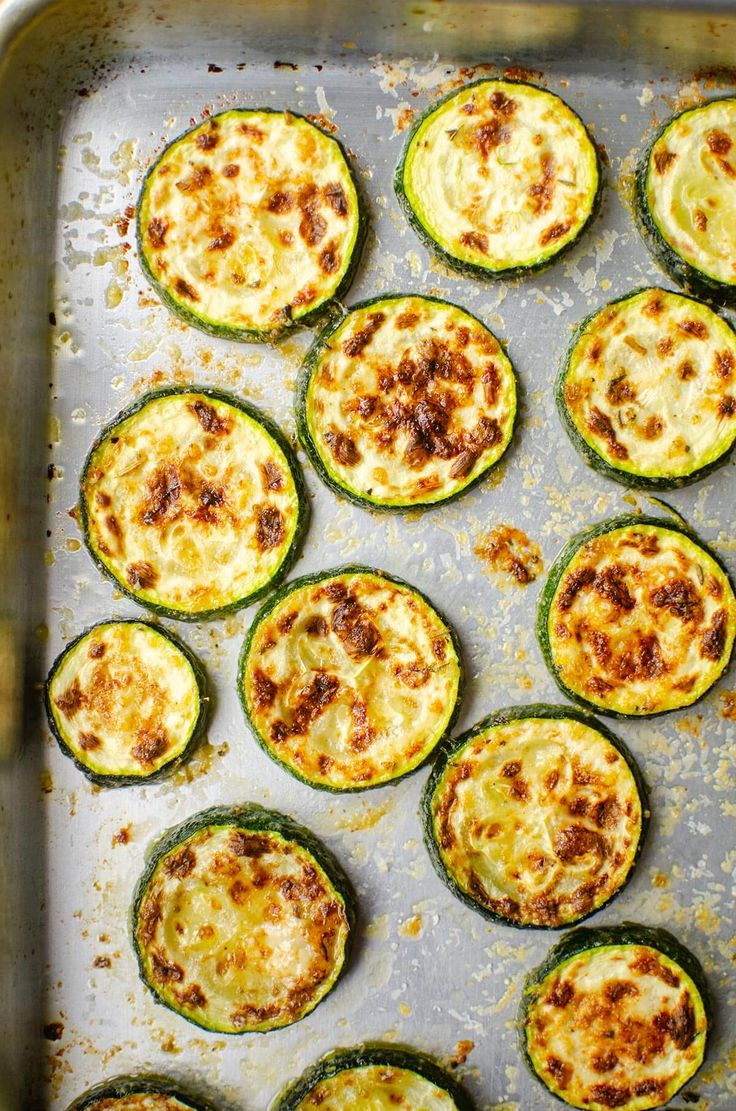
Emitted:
<point x="241" y="921"/>
<point x="535" y="817"/>
<point x="193" y="502"/>
<point x="498" y="178"/>
<point x="349" y="678"/>
<point x="138" y="1093"/>
<point x="250" y="223"/>
<point x="615" y="1017"/>
<point x="637" y="617"/>
<point x="647" y="391"/>
<point x="126" y="701"/>
<point x="686" y="201"/>
<point x="406" y="401"/>
<point x="376" y="1076"/>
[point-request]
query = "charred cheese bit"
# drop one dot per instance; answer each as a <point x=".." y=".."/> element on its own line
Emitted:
<point x="689" y="191"/>
<point x="537" y="821"/>
<point x="407" y="402"/>
<point x="617" y="1026"/>
<point x="249" y="222"/>
<point x="191" y="503"/>
<point x="349" y="679"/>
<point x="641" y="619"/>
<point x="124" y="701"/>
<point x="500" y="176"/>
<point x="240" y="930"/>
<point x="650" y="387"/>
<point x="138" y="1101"/>
<point x="380" y="1088"/>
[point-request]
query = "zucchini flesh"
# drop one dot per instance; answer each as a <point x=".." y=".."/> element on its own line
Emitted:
<point x="193" y="502"/>
<point x="241" y="921"/>
<point x="535" y="817"/>
<point x="499" y="177"/>
<point x="648" y="389"/>
<point x="615" y="1018"/>
<point x="637" y="617"/>
<point x="376" y="1076"/>
<point x="349" y="678"/>
<point x="686" y="197"/>
<point x="406" y="402"/>
<point x="125" y="702"/>
<point x="249" y="222"/>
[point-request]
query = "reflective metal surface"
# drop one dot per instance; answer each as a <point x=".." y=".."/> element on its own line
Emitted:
<point x="90" y="92"/>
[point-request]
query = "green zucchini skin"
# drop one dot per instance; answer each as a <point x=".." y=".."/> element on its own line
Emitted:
<point x="167" y="769"/>
<point x="294" y="466"/>
<point x="309" y="580"/>
<point x="505" y="716"/>
<point x="584" y="938"/>
<point x="148" y="1084"/>
<point x="689" y="277"/>
<point x="371" y="1053"/>
<point x="253" y="818"/>
<point x="591" y="457"/>
<point x="469" y="269"/>
<point x="251" y="335"/>
<point x="311" y="360"/>
<point x="560" y="566"/>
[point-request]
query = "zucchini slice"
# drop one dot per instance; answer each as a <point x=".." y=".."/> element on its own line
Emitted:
<point x="686" y="200"/>
<point x="241" y="921"/>
<point x="349" y="678"/>
<point x="637" y="617"/>
<point x="126" y="701"/>
<point x="137" y="1093"/>
<point x="499" y="178"/>
<point x="377" y="1076"/>
<point x="193" y="502"/>
<point x="535" y="817"/>
<point x="405" y="402"/>
<point x="250" y="223"/>
<point x="647" y="391"/>
<point x="615" y="1017"/>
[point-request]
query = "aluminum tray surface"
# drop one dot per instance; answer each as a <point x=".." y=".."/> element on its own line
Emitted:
<point x="426" y="970"/>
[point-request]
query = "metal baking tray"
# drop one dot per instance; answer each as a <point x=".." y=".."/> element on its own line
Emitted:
<point x="90" y="91"/>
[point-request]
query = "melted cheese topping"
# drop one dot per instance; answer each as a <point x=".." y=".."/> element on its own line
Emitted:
<point x="377" y="1088"/>
<point x="651" y="385"/>
<point x="538" y="820"/>
<point x="351" y="681"/>
<point x="125" y="700"/>
<point x="642" y="621"/>
<point x="410" y="402"/>
<point x="502" y="175"/>
<point x="190" y="503"/>
<point x="250" y="220"/>
<point x="618" y="1026"/>
<point x="138" y="1101"/>
<point x="690" y="188"/>
<point x="241" y="930"/>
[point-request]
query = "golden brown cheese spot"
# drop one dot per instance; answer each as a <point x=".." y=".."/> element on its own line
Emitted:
<point x="270" y="528"/>
<point x="231" y="170"/>
<point x="71" y="700"/>
<point x="727" y="407"/>
<point x="681" y="598"/>
<point x="663" y="159"/>
<point x="150" y="746"/>
<point x="724" y="361"/>
<point x="157" y="232"/>
<point x="714" y="638"/>
<point x="600" y="423"/>
<point x="477" y="240"/>
<point x="355" y="629"/>
<point x="359" y="340"/>
<point x="141" y="575"/>
<point x="718" y="142"/>
<point x="342" y="447"/>
<point x="88" y="742"/>
<point x="554" y="232"/>
<point x="164" y="490"/>
<point x="211" y="421"/>
<point x="509" y="551"/>
<point x="694" y="328"/>
<point x="180" y="864"/>
<point x="334" y="195"/>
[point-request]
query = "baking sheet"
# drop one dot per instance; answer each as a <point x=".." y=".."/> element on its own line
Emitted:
<point x="426" y="970"/>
